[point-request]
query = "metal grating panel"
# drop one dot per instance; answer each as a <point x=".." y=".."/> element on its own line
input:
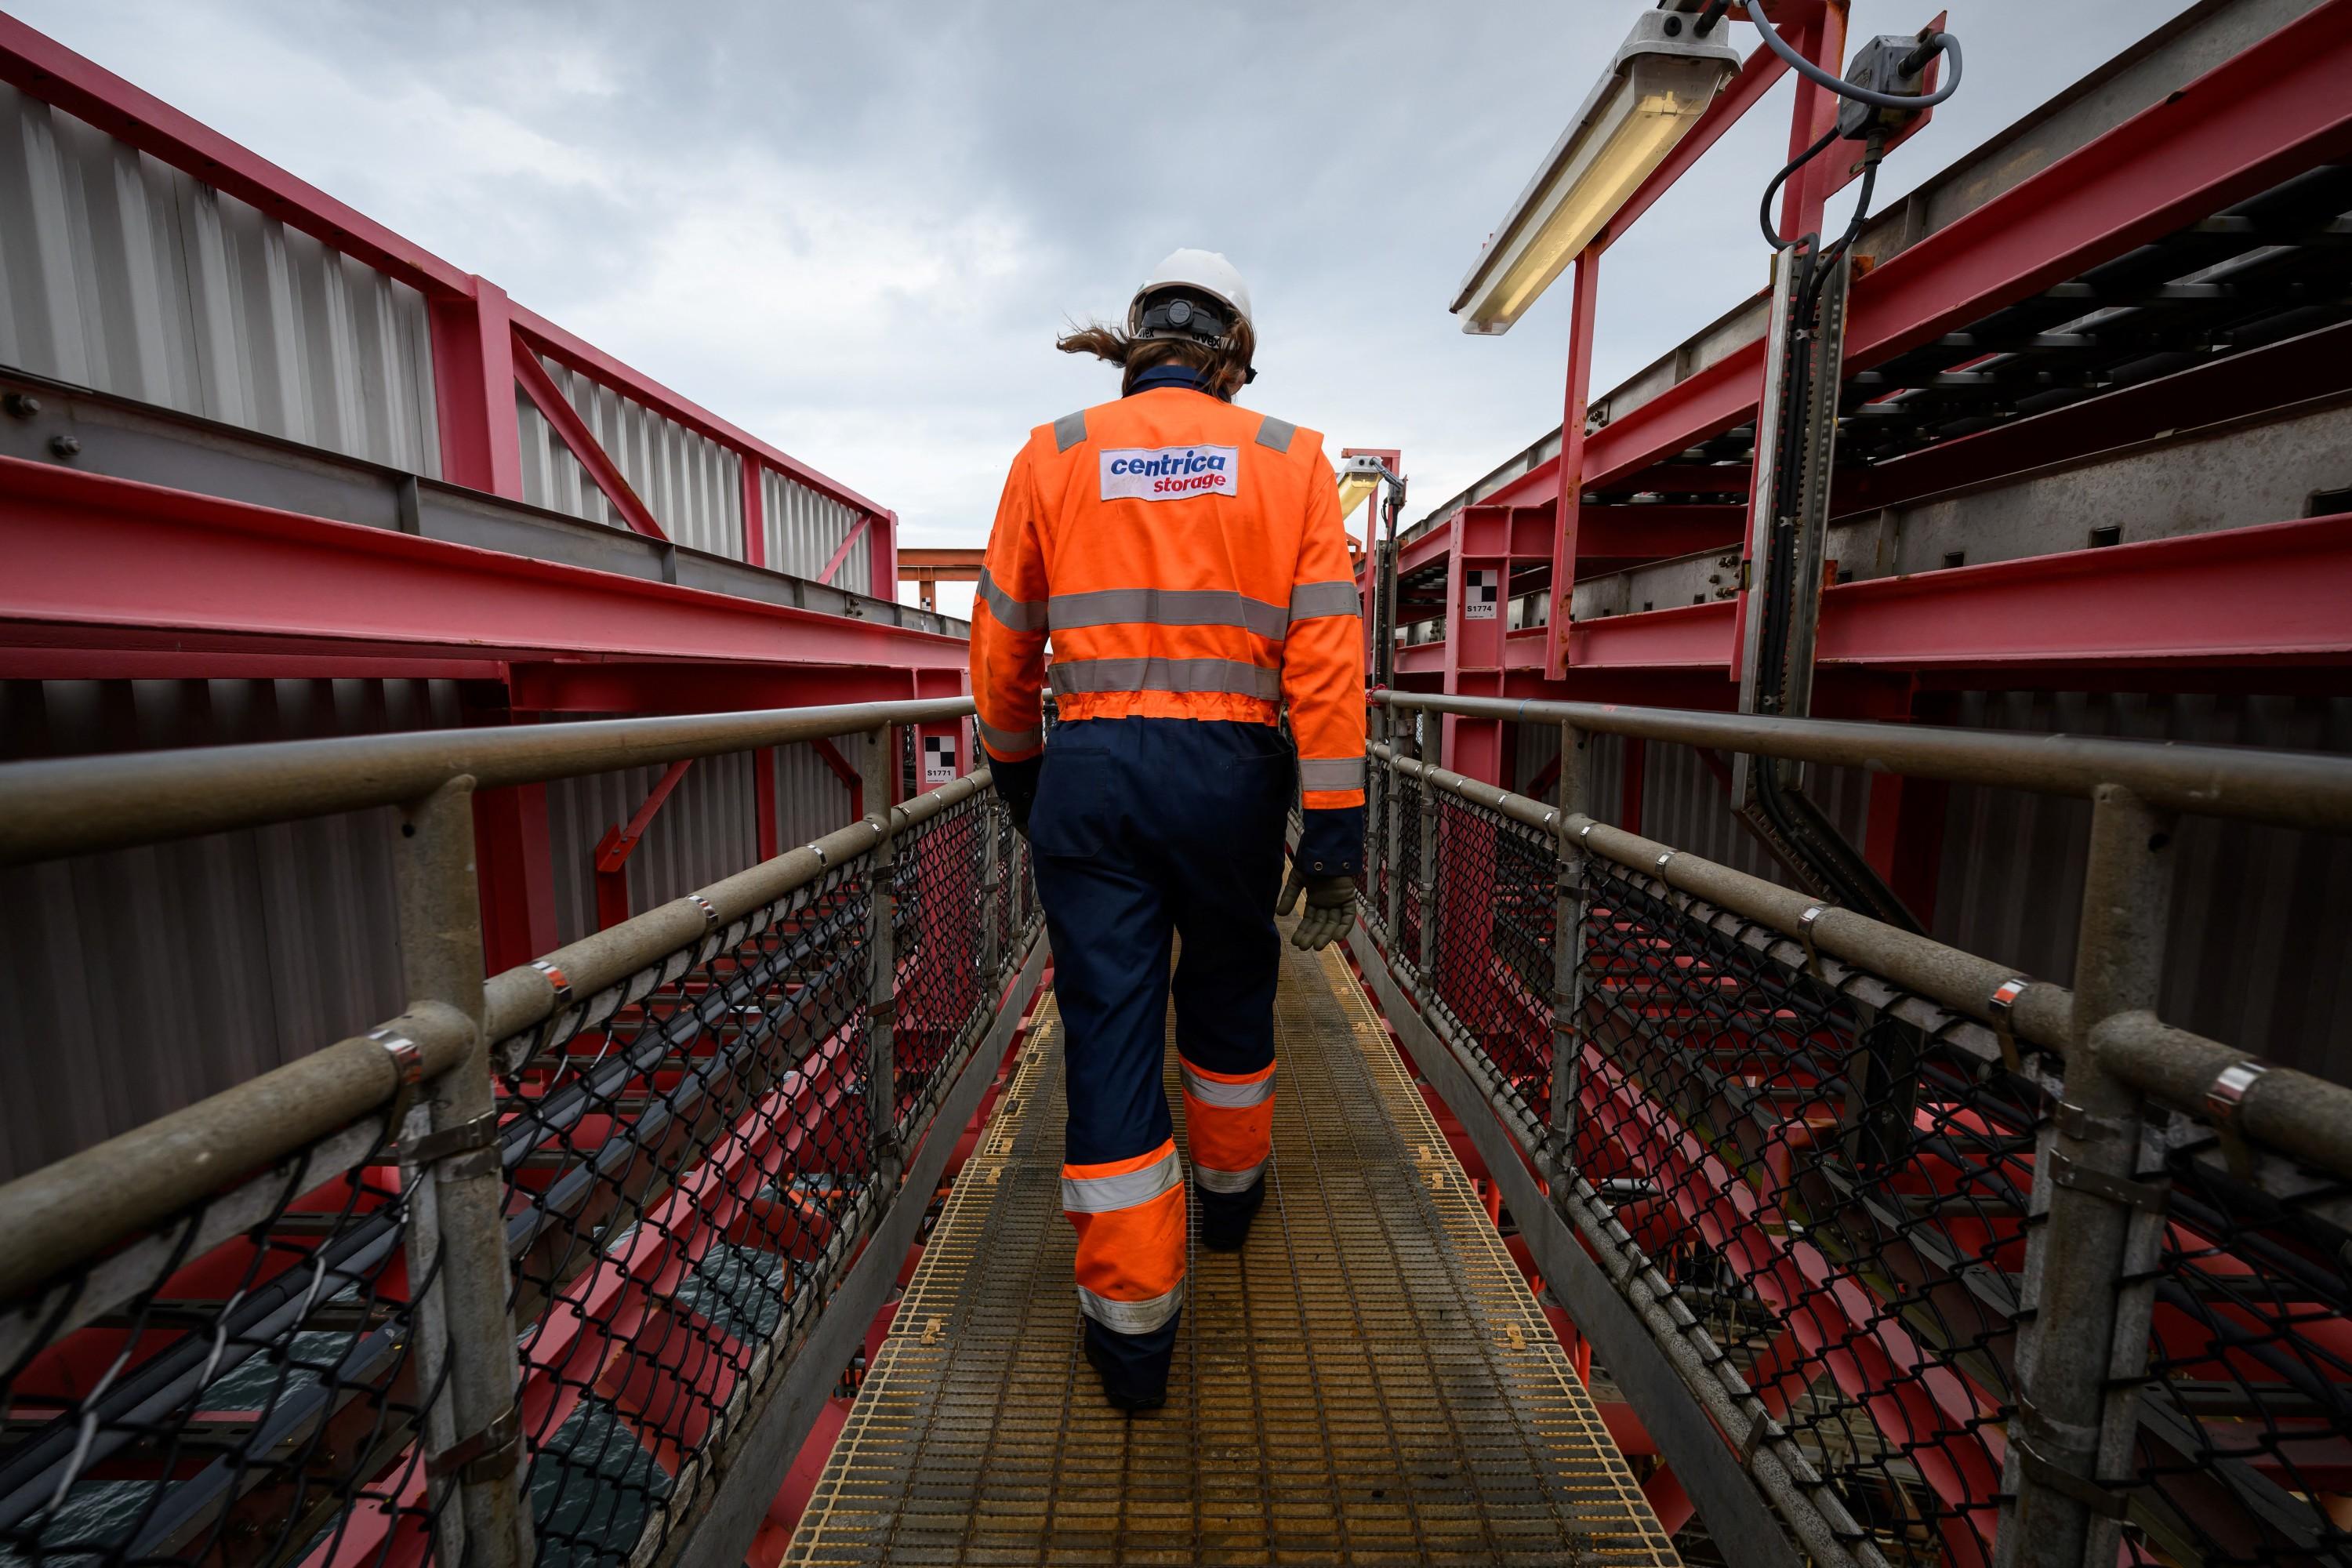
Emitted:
<point x="1368" y="1381"/>
<point x="121" y="274"/>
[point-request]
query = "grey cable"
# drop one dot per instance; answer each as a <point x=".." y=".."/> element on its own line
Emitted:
<point x="1839" y="85"/>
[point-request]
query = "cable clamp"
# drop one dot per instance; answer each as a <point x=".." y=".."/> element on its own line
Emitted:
<point x="489" y="1455"/>
<point x="475" y="1140"/>
<point x="1759" y="1428"/>
<point x="2075" y="1176"/>
<point x="2225" y="1096"/>
<point x="1805" y="933"/>
<point x="2085" y="1128"/>
<point x="2101" y="1500"/>
<point x="408" y="1073"/>
<point x="557" y="981"/>
<point x="709" y="911"/>
<point x="1662" y="864"/>
<point x="2000" y="1004"/>
<point x="816" y="849"/>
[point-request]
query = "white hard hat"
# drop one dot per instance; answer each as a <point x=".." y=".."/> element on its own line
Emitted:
<point x="1204" y="270"/>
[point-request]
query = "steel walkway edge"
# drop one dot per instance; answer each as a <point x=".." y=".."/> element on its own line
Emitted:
<point x="1368" y="1381"/>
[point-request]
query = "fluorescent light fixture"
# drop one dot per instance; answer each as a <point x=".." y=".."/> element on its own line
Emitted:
<point x="1651" y="94"/>
<point x="1359" y="478"/>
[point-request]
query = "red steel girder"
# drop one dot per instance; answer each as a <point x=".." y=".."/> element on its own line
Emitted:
<point x="2275" y="109"/>
<point x="2276" y="592"/>
<point x="106" y="563"/>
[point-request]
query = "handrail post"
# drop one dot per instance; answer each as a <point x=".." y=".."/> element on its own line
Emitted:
<point x="1567" y="949"/>
<point x="1425" y="886"/>
<point x="1393" y="833"/>
<point x="2089" y="1286"/>
<point x="878" y="770"/>
<point x="465" y="1342"/>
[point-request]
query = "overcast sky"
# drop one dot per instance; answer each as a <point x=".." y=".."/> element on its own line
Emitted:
<point x="854" y="229"/>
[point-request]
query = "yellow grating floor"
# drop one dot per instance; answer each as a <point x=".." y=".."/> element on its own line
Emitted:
<point x="1368" y="1381"/>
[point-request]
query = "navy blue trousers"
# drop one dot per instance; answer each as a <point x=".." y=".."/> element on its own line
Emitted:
<point x="1146" y="830"/>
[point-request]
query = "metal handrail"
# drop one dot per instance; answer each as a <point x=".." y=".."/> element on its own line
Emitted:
<point x="2291" y="789"/>
<point x="74" y="806"/>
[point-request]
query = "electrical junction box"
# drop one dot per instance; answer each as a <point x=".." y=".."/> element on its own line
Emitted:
<point x="1878" y="67"/>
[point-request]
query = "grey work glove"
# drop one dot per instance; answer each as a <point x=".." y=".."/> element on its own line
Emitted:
<point x="1330" y="909"/>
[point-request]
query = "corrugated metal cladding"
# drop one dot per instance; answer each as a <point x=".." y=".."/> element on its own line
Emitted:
<point x="706" y="829"/>
<point x="121" y="274"/>
<point x="811" y="801"/>
<point x="691" y="484"/>
<point x="2259" y="949"/>
<point x="135" y="983"/>
<point x="803" y="530"/>
<point x="2261" y="942"/>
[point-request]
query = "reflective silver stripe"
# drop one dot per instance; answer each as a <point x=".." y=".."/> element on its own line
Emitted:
<point x="1309" y="600"/>
<point x="1167" y="674"/>
<point x="1276" y="433"/>
<point x="1217" y="1092"/>
<point x="1130" y="1317"/>
<point x="1170" y="607"/>
<point x="1014" y="614"/>
<point x="1101" y="1195"/>
<point x="1009" y="741"/>
<point x="1228" y="1181"/>
<point x="1069" y="430"/>
<point x="1331" y="772"/>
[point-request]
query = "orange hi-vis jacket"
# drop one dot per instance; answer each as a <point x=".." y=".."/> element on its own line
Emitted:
<point x="1187" y="558"/>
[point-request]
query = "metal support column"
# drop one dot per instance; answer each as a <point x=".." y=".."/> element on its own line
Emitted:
<point x="2089" y="1273"/>
<point x="879" y="764"/>
<point x="457" y="1250"/>
<point x="1567" y="949"/>
<point x="1393" y="827"/>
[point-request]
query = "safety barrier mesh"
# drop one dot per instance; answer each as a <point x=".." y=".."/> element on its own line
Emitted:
<point x="690" y="1162"/>
<point x="224" y="1388"/>
<point x="2243" y="1451"/>
<point x="1835" y="1187"/>
<point x="689" y="1169"/>
<point x="1828" y="1182"/>
<point x="1412" y="897"/>
<point x="1372" y="886"/>
<point x="1492" y="974"/>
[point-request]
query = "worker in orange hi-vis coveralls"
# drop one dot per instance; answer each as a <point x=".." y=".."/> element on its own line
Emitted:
<point x="1187" y="559"/>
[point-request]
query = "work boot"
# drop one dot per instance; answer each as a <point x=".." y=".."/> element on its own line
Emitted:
<point x="1225" y="1216"/>
<point x="1127" y="1364"/>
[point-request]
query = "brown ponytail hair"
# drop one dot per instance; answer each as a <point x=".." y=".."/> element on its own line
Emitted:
<point x="1224" y="369"/>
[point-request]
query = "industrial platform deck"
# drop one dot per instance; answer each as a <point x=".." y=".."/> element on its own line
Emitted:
<point x="1368" y="1381"/>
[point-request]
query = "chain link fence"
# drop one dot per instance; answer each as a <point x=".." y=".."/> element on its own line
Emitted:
<point x="690" y="1165"/>
<point x="1824" y="1179"/>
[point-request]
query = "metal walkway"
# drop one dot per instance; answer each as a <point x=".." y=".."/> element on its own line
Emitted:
<point x="1368" y="1382"/>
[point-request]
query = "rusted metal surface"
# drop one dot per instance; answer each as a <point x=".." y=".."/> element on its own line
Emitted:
<point x="1368" y="1380"/>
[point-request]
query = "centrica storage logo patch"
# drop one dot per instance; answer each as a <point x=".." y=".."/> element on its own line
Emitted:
<point x="1171" y="473"/>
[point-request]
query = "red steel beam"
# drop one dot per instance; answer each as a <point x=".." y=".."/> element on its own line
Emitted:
<point x="572" y="430"/>
<point x="109" y="564"/>
<point x="2278" y="593"/>
<point x="2275" y="109"/>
